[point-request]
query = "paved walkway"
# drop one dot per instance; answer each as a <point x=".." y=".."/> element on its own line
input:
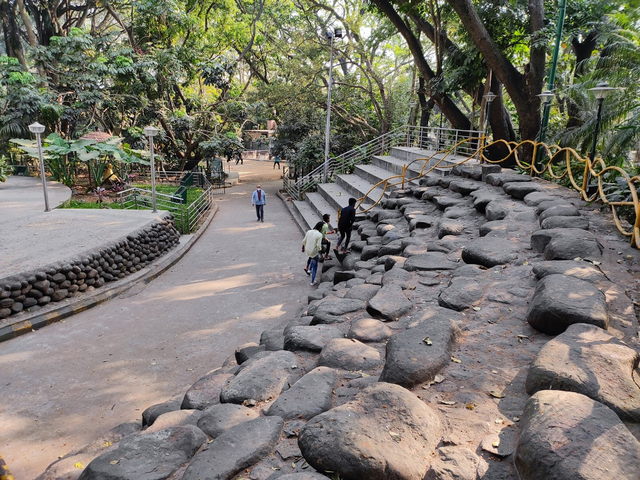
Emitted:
<point x="67" y="383"/>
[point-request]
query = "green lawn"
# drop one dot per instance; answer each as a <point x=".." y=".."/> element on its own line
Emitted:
<point x="192" y="194"/>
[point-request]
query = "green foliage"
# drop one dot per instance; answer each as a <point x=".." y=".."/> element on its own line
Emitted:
<point x="5" y="168"/>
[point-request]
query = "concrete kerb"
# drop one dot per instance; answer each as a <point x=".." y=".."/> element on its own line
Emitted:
<point x="28" y="323"/>
<point x="294" y="213"/>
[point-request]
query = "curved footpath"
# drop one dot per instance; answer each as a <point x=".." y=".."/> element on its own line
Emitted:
<point x="69" y="382"/>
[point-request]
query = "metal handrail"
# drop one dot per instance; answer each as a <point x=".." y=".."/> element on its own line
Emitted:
<point x="405" y="136"/>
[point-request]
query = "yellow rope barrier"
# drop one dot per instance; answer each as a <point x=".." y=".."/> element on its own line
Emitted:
<point x="5" y="474"/>
<point x="561" y="162"/>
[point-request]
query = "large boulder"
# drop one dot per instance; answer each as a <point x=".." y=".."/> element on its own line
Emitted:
<point x="417" y="354"/>
<point x="566" y="244"/>
<point x="331" y="310"/>
<point x="219" y="418"/>
<point x="565" y="435"/>
<point x="389" y="303"/>
<point x="236" y="449"/>
<point x="262" y="378"/>
<point x="312" y="338"/>
<point x="461" y="293"/>
<point x="349" y="354"/>
<point x="588" y="360"/>
<point x="429" y="261"/>
<point x="151" y="456"/>
<point x="369" y="330"/>
<point x="490" y="251"/>
<point x="386" y="432"/>
<point x="206" y="391"/>
<point x="308" y="397"/>
<point x="582" y="270"/>
<point x="561" y="300"/>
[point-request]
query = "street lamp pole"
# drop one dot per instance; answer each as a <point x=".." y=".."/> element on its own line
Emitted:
<point x="38" y="129"/>
<point x="600" y="91"/>
<point x="337" y="33"/>
<point x="489" y="97"/>
<point x="152" y="132"/>
<point x="546" y="98"/>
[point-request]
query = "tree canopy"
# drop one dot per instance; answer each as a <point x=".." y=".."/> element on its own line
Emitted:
<point x="204" y="72"/>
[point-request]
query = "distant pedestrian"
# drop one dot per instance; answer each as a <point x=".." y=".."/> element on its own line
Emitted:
<point x="312" y="246"/>
<point x="276" y="161"/>
<point x="259" y="200"/>
<point x="345" y="225"/>
<point x="239" y="158"/>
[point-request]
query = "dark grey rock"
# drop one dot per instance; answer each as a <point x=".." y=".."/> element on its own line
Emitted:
<point x="219" y="418"/>
<point x="459" y="212"/>
<point x="449" y="227"/>
<point x="490" y="251"/>
<point x="273" y="338"/>
<point x="499" y="179"/>
<point x="343" y="276"/>
<point x="308" y="397"/>
<point x="205" y="392"/>
<point x="411" y="250"/>
<point x="394" y="248"/>
<point x="566" y="244"/>
<point x="500" y="227"/>
<point x="444" y="201"/>
<point x="585" y="359"/>
<point x="369" y="330"/>
<point x="302" y="476"/>
<point x="565" y="222"/>
<point x="369" y="252"/>
<point x="311" y="338"/>
<point x="567" y="435"/>
<point x="236" y="449"/>
<point x="464" y="187"/>
<point x="176" y="418"/>
<point x="396" y="276"/>
<point x="536" y="198"/>
<point x="481" y="198"/>
<point x="582" y="270"/>
<point x="147" y="456"/>
<point x="429" y="261"/>
<point x="520" y="190"/>
<point x="563" y="210"/>
<point x="246" y="351"/>
<point x="422" y="221"/>
<point x="461" y="293"/>
<point x="389" y="303"/>
<point x="364" y="292"/>
<point x="263" y="378"/>
<point x="560" y="301"/>
<point x="392" y="260"/>
<point x="154" y="411"/>
<point x="377" y="436"/>
<point x="332" y="310"/>
<point x="349" y="354"/>
<point x="410" y="360"/>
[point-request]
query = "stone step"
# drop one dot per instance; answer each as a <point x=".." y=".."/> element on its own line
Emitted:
<point x="320" y="206"/>
<point x="307" y="215"/>
<point x="359" y="187"/>
<point x="335" y="195"/>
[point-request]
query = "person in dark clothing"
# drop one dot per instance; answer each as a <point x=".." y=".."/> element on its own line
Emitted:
<point x="345" y="224"/>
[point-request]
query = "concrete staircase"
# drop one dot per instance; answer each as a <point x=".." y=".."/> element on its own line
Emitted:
<point x="331" y="197"/>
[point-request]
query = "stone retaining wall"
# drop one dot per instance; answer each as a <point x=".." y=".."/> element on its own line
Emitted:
<point x="92" y="269"/>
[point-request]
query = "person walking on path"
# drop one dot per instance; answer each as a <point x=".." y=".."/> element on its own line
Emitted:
<point x="326" y="244"/>
<point x="259" y="200"/>
<point x="276" y="161"/>
<point x="345" y="225"/>
<point x="312" y="246"/>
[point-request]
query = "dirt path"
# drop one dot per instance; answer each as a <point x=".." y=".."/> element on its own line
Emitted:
<point x="64" y="385"/>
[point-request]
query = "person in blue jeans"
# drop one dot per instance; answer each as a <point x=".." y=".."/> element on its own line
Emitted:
<point x="259" y="199"/>
<point x="312" y="246"/>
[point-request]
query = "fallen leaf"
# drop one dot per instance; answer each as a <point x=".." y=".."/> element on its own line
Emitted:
<point x="577" y="259"/>
<point x="495" y="394"/>
<point x="477" y="309"/>
<point x="395" y="436"/>
<point x="293" y="465"/>
<point x="79" y="465"/>
<point x="457" y="360"/>
<point x="494" y="371"/>
<point x="525" y="263"/>
<point x="516" y="419"/>
<point x="469" y="406"/>
<point x="114" y="462"/>
<point x="427" y="340"/>
<point x="596" y="263"/>
<point x="496" y="444"/>
<point x="189" y="369"/>
<point x="446" y="402"/>
<point x="630" y="257"/>
<point x="499" y="421"/>
<point x="439" y="378"/>
<point x="153" y="363"/>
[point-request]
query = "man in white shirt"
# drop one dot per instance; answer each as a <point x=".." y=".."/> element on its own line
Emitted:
<point x="311" y="245"/>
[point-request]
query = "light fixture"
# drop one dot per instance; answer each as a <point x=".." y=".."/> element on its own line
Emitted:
<point x="601" y="90"/>
<point x="152" y="132"/>
<point x="38" y="129"/>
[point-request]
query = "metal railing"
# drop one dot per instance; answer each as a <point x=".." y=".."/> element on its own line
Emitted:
<point x="427" y="138"/>
<point x="187" y="217"/>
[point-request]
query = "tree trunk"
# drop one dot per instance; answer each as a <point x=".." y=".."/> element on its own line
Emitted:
<point x="11" y="32"/>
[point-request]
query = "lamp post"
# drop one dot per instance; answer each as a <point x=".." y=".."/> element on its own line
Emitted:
<point x="489" y="98"/>
<point x="152" y="132"/>
<point x="600" y="91"/>
<point x="38" y="129"/>
<point x="337" y="33"/>
<point x="546" y="97"/>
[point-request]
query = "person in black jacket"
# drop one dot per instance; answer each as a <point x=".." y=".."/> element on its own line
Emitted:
<point x="345" y="224"/>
